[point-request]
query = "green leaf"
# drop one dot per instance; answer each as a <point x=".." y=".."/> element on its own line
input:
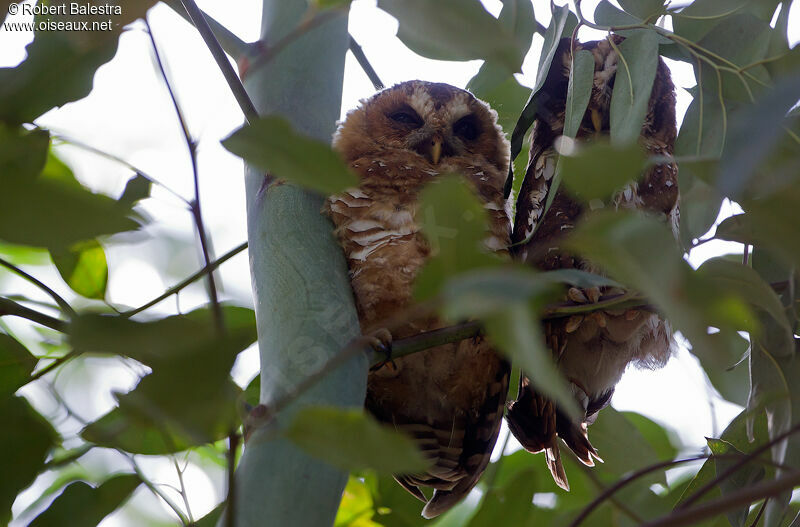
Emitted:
<point x="86" y="506"/>
<point x="26" y="439"/>
<point x="73" y="213"/>
<point x="455" y="225"/>
<point x="703" y="129"/>
<point x="210" y="519"/>
<point x="270" y="144"/>
<point x="752" y="288"/>
<point x="748" y="475"/>
<point x="599" y="169"/>
<point x="516" y="332"/>
<point x="509" y="504"/>
<point x="174" y="338"/>
<point x="189" y="399"/>
<point x="136" y="435"/>
<point x="552" y="41"/>
<point x="16" y="365"/>
<point x="643" y="9"/>
<point x="356" y="507"/>
<point x="579" y="91"/>
<point x="437" y="30"/>
<point x="494" y="82"/>
<point x="728" y="370"/>
<point x="700" y="201"/>
<point x="753" y="136"/>
<point x="352" y="440"/>
<point x="136" y="189"/>
<point x="60" y="65"/>
<point x="701" y="16"/>
<point x="636" y="70"/>
<point x="483" y="292"/>
<point x="84" y="268"/>
<point x="23" y="153"/>
<point x="622" y="446"/>
<point x="658" y="437"/>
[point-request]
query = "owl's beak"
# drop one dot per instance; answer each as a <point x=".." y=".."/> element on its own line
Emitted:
<point x="436" y="149"/>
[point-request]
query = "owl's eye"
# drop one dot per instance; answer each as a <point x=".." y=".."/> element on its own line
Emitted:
<point x="406" y="116"/>
<point x="467" y="128"/>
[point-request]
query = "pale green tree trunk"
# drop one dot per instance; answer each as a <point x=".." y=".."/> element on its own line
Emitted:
<point x="304" y="305"/>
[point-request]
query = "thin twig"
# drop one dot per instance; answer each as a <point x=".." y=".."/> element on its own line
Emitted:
<point x="9" y="307"/>
<point x="182" y="489"/>
<point x="188" y="281"/>
<point x="63" y="304"/>
<point x="624" y="482"/>
<point x="195" y="204"/>
<point x="53" y="365"/>
<point x="269" y="52"/>
<point x="358" y="53"/>
<point x="729" y="501"/>
<point x="760" y="512"/>
<point x="617" y="503"/>
<point x="736" y="466"/>
<point x="234" y="83"/>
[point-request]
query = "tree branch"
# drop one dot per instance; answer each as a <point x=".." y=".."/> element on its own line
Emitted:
<point x="358" y="53"/>
<point x="234" y="83"/>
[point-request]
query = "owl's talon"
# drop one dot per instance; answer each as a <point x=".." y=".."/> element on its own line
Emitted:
<point x="631" y="314"/>
<point x="600" y="318"/>
<point x="574" y="323"/>
<point x="576" y="295"/>
<point x="593" y="293"/>
<point x="380" y="341"/>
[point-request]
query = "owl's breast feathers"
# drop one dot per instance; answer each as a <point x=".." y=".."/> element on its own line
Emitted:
<point x="449" y="399"/>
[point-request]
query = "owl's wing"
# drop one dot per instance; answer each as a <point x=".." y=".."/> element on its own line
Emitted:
<point x="460" y="450"/>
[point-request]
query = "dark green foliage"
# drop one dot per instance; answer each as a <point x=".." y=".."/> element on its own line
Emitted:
<point x="739" y="139"/>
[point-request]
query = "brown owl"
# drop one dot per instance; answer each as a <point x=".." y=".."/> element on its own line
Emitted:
<point x="592" y="351"/>
<point x="449" y="399"/>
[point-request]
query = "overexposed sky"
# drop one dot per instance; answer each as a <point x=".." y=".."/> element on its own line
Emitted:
<point x="129" y="114"/>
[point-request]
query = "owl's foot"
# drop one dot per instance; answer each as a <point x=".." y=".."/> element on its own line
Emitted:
<point x="590" y="295"/>
<point x="380" y="341"/>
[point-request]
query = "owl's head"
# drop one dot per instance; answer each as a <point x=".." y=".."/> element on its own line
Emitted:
<point x="661" y="108"/>
<point x="431" y="120"/>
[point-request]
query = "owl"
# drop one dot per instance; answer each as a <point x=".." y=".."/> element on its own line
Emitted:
<point x="449" y="399"/>
<point x="594" y="350"/>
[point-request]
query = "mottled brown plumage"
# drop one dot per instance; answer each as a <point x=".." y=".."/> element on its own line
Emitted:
<point x="449" y="399"/>
<point x="592" y="351"/>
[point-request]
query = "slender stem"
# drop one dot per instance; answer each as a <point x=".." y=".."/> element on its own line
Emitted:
<point x="736" y="466"/>
<point x="624" y="482"/>
<point x="358" y="53"/>
<point x="188" y="281"/>
<point x="234" y="83"/>
<point x="154" y="488"/>
<point x="760" y="512"/>
<point x="304" y="27"/>
<point x="195" y="204"/>
<point x="617" y="503"/>
<point x="53" y="365"/>
<point x="182" y="489"/>
<point x="9" y="307"/>
<point x="730" y="501"/>
<point x="63" y="304"/>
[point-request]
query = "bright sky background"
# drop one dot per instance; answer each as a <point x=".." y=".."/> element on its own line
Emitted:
<point x="129" y="114"/>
